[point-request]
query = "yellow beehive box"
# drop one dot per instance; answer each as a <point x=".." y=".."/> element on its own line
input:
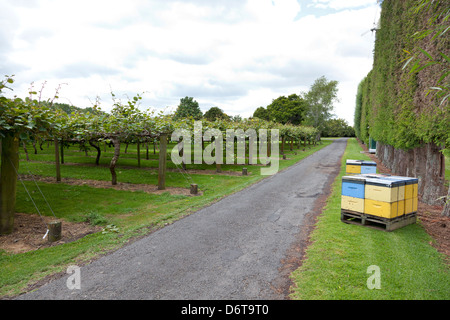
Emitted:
<point x="408" y="205"/>
<point x="411" y="185"/>
<point x="401" y="208"/>
<point x="408" y="191"/>
<point x="384" y="190"/>
<point x="411" y="205"/>
<point x="352" y="204"/>
<point x="415" y="189"/>
<point x="411" y="192"/>
<point x="353" y="167"/>
<point x="401" y="192"/>
<point x="383" y="209"/>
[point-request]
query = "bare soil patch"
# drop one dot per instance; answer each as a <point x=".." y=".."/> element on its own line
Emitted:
<point x="107" y="185"/>
<point x="29" y="230"/>
<point x="185" y="171"/>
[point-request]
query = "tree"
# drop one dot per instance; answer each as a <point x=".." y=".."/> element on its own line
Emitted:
<point x="337" y="128"/>
<point x="188" y="107"/>
<point x="289" y="109"/>
<point x="215" y="113"/>
<point x="261" y="113"/>
<point x="319" y="102"/>
<point x="69" y="109"/>
<point x="236" y="118"/>
<point x="19" y="119"/>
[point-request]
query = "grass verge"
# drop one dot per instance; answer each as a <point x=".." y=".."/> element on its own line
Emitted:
<point x="337" y="262"/>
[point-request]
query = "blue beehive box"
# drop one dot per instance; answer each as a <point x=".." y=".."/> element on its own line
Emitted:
<point x="368" y="167"/>
<point x="353" y="186"/>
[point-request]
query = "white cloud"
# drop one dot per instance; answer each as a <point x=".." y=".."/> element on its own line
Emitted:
<point x="236" y="55"/>
<point x="340" y="4"/>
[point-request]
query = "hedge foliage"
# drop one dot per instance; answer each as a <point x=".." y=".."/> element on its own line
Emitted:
<point x="396" y="102"/>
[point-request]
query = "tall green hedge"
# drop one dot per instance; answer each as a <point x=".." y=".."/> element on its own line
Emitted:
<point x="392" y="104"/>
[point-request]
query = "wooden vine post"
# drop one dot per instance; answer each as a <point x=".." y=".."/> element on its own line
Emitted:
<point x="57" y="163"/>
<point x="8" y="181"/>
<point x="139" y="153"/>
<point x="112" y="165"/>
<point x="54" y="231"/>
<point x="162" y="161"/>
<point x="62" y="151"/>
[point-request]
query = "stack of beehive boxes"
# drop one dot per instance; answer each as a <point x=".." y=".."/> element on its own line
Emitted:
<point x="410" y="195"/>
<point x="379" y="198"/>
<point x="360" y="167"/>
<point x="384" y="198"/>
<point x="353" y="193"/>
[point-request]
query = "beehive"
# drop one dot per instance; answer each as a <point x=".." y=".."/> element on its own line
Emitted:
<point x="352" y="197"/>
<point x="353" y="186"/>
<point x="378" y="200"/>
<point x="382" y="209"/>
<point x="410" y="193"/>
<point x="400" y="183"/>
<point x="368" y="167"/>
<point x="352" y="204"/>
<point x="384" y="197"/>
<point x="383" y="189"/>
<point x="353" y="166"/>
<point x="360" y="167"/>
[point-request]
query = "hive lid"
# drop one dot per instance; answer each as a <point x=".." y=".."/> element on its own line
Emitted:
<point x="354" y="179"/>
<point x="384" y="182"/>
<point x="375" y="175"/>
<point x="406" y="180"/>
<point x="354" y="162"/>
<point x="369" y="163"/>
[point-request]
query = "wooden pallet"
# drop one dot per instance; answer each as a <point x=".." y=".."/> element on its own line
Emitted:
<point x="375" y="222"/>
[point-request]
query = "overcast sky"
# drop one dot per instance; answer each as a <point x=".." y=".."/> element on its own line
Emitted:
<point x="234" y="54"/>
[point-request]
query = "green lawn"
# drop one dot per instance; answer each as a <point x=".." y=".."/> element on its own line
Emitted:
<point x="337" y="261"/>
<point x="134" y="213"/>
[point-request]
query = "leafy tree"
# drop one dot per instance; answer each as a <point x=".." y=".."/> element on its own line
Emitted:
<point x="19" y="119"/>
<point x="215" y="113"/>
<point x="289" y="109"/>
<point x="188" y="107"/>
<point x="319" y="101"/>
<point x="236" y="118"/>
<point x="261" y="113"/>
<point x="69" y="108"/>
<point x="337" y="128"/>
